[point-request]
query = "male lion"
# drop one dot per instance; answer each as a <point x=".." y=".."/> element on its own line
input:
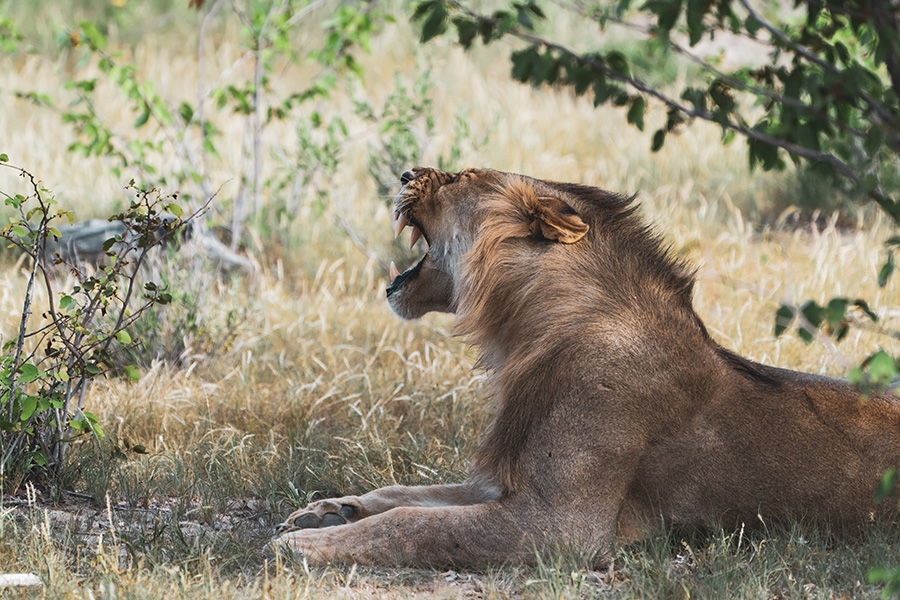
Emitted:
<point x="614" y="405"/>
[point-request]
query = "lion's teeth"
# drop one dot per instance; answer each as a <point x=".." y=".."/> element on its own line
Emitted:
<point x="394" y="272"/>
<point x="402" y="221"/>
<point x="416" y="234"/>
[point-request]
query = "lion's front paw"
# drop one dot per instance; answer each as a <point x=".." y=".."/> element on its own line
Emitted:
<point x="313" y="545"/>
<point x="324" y="513"/>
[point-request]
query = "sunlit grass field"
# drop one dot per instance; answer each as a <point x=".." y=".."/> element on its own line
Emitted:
<point x="296" y="382"/>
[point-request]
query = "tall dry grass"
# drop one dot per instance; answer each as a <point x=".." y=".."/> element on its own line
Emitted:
<point x="323" y="391"/>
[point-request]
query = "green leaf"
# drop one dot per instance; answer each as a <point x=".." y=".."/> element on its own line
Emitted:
<point x="186" y="111"/>
<point x="618" y="63"/>
<point x="887" y="485"/>
<point x="814" y="314"/>
<point x="694" y="17"/>
<point x="877" y="574"/>
<point x="466" y="29"/>
<point x="20" y="231"/>
<point x="4" y="158"/>
<point x="92" y="368"/>
<point x="435" y="23"/>
<point x="886" y="270"/>
<point x="524" y="18"/>
<point x="835" y="311"/>
<point x="66" y="302"/>
<point x="752" y="26"/>
<point x="882" y="368"/>
<point x="122" y="337"/>
<point x="28" y="373"/>
<point x="524" y="62"/>
<point x="666" y="11"/>
<point x="784" y="316"/>
<point x="175" y="209"/>
<point x="29" y="404"/>
<point x="142" y="120"/>
<point x="92" y="34"/>
<point x="132" y="373"/>
<point x="636" y="112"/>
<point x="659" y="138"/>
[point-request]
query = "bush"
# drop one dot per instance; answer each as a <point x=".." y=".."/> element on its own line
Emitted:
<point x="46" y="369"/>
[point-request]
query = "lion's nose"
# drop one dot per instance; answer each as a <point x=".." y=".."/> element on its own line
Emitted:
<point x="407" y="177"/>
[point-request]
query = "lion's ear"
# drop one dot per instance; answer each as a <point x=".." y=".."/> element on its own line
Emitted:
<point x="556" y="220"/>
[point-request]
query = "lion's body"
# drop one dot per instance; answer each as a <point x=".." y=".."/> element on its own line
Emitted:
<point x="614" y="407"/>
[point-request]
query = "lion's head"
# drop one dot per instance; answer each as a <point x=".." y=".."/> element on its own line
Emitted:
<point x="465" y="217"/>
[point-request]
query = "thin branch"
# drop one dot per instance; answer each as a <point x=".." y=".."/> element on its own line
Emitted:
<point x="201" y="95"/>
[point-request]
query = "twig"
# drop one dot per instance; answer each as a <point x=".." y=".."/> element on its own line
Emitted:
<point x="201" y="95"/>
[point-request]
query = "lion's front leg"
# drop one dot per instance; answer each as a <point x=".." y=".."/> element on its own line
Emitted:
<point x="350" y="509"/>
<point x="490" y="533"/>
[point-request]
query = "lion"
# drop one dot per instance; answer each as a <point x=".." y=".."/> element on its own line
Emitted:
<point x="615" y="408"/>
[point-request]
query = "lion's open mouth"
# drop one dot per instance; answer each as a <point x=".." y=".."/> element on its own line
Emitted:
<point x="402" y="222"/>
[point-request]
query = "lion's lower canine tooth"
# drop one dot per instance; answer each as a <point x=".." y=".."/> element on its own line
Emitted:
<point x="394" y="272"/>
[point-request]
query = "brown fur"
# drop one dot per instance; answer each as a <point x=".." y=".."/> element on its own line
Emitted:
<point x="614" y="407"/>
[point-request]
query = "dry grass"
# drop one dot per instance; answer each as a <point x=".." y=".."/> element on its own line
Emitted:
<point x="323" y="391"/>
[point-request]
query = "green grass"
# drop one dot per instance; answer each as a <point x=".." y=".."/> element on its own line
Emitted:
<point x="319" y="390"/>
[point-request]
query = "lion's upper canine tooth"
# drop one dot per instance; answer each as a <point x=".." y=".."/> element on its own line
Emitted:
<point x="416" y="234"/>
<point x="402" y="221"/>
<point x="394" y="271"/>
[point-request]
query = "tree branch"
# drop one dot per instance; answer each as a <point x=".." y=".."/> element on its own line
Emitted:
<point x="729" y="79"/>
<point x="879" y="108"/>
<point x="601" y="67"/>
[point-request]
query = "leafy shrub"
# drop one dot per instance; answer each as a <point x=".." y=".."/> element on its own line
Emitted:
<point x="45" y="370"/>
